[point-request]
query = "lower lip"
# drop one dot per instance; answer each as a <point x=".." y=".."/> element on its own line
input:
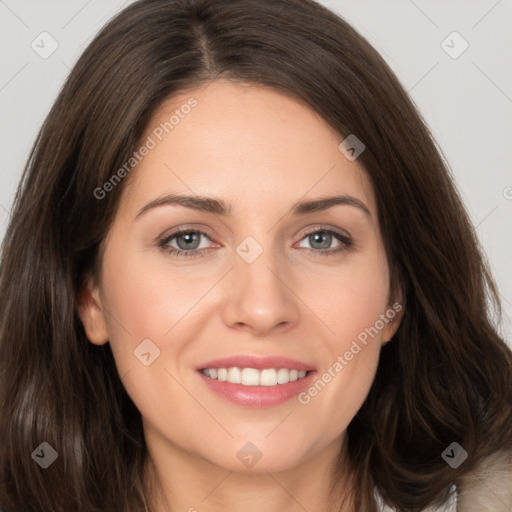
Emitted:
<point x="258" y="397"/>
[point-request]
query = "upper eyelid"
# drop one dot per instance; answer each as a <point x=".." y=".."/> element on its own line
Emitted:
<point x="316" y="228"/>
<point x="338" y="231"/>
<point x="164" y="238"/>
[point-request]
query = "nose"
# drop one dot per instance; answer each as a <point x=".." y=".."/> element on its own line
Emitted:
<point x="259" y="296"/>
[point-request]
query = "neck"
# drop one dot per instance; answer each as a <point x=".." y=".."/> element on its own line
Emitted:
<point x="182" y="482"/>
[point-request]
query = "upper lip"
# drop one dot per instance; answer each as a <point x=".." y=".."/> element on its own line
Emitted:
<point x="257" y="362"/>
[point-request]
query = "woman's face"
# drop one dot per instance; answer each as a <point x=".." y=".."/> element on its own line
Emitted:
<point x="266" y="278"/>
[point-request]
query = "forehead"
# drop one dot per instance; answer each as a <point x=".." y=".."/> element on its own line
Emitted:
<point x="248" y="144"/>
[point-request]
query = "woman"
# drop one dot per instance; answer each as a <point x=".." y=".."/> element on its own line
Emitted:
<point x="173" y="338"/>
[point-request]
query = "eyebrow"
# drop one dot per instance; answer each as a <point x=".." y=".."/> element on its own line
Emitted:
<point x="219" y="207"/>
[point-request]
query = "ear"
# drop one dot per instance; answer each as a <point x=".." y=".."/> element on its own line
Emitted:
<point x="394" y="313"/>
<point x="91" y="313"/>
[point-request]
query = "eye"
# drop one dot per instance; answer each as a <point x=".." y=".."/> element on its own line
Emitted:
<point x="188" y="242"/>
<point x="321" y="241"/>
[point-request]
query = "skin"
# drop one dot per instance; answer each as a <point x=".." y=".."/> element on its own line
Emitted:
<point x="260" y="151"/>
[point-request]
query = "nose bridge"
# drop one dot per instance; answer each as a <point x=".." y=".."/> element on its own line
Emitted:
<point x="259" y="297"/>
<point x="255" y="268"/>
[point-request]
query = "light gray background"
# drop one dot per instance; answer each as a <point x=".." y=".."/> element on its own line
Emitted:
<point x="466" y="101"/>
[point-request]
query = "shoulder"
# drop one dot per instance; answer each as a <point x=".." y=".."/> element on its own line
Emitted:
<point x="489" y="487"/>
<point x="449" y="506"/>
<point x="486" y="489"/>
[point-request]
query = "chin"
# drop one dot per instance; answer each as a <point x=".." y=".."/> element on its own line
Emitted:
<point x="258" y="457"/>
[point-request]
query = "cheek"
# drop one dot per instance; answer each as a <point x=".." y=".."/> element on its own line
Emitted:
<point x="143" y="301"/>
<point x="147" y="294"/>
<point x="350" y="298"/>
<point x="151" y="305"/>
<point x="350" y="303"/>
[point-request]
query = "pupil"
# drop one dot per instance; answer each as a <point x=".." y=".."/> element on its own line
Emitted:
<point x="317" y="237"/>
<point x="191" y="240"/>
<point x="191" y="237"/>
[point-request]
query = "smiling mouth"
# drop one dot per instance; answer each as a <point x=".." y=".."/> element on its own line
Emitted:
<point x="254" y="377"/>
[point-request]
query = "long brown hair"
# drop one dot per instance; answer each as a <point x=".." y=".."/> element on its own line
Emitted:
<point x="445" y="377"/>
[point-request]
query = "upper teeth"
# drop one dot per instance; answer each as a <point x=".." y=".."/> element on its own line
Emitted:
<point x="253" y="377"/>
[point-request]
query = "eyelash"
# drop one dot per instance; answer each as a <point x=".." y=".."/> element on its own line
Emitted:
<point x="194" y="253"/>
